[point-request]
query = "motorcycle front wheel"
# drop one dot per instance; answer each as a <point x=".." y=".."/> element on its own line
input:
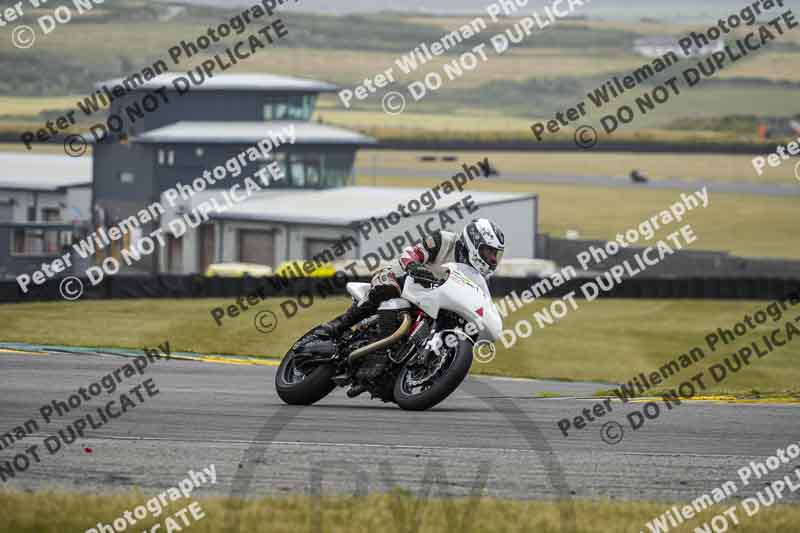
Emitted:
<point x="414" y="390"/>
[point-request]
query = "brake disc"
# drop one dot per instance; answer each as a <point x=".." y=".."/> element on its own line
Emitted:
<point x="423" y="380"/>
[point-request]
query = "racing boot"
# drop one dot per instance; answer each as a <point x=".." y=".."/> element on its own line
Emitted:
<point x="356" y="390"/>
<point x="354" y="314"/>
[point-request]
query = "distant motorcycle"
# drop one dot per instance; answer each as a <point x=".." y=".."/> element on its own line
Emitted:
<point x="414" y="351"/>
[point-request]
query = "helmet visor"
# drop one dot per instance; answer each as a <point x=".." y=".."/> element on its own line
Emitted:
<point x="492" y="256"/>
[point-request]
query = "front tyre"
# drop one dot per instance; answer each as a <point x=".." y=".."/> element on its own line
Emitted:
<point x="413" y="392"/>
<point x="303" y="387"/>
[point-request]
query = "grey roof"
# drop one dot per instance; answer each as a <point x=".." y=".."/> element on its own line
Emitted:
<point x="43" y="172"/>
<point x="346" y="205"/>
<point x="250" y="132"/>
<point x="236" y="82"/>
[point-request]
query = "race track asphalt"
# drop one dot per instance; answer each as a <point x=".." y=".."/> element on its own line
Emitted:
<point x="493" y="433"/>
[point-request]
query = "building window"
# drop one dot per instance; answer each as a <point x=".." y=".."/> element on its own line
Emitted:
<point x="275" y="109"/>
<point x="166" y="157"/>
<point x="338" y="170"/>
<point x="126" y="177"/>
<point x="39" y="241"/>
<point x="306" y="170"/>
<point x="289" y="107"/>
<point x="280" y="157"/>
<point x="51" y="214"/>
<point x="310" y="169"/>
<point x="316" y="170"/>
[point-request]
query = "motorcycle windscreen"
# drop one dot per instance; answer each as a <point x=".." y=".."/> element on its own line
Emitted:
<point x="482" y="311"/>
<point x="473" y="275"/>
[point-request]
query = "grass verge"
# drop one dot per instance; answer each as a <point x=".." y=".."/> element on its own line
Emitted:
<point x="55" y="512"/>
<point x="745" y="225"/>
<point x="656" y="166"/>
<point x="605" y="340"/>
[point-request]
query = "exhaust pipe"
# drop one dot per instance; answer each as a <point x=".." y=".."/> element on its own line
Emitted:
<point x="391" y="339"/>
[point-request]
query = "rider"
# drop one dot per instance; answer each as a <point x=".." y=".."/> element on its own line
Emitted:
<point x="480" y="245"/>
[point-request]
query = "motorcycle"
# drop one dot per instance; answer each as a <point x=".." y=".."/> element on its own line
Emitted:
<point x="414" y="351"/>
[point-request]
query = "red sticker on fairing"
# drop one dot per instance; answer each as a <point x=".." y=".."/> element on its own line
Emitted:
<point x="479" y="311"/>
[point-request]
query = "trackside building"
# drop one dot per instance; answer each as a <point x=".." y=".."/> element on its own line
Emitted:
<point x="202" y="129"/>
<point x="354" y="223"/>
<point x="301" y="216"/>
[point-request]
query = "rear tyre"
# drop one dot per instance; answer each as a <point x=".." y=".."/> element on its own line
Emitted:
<point x="296" y="387"/>
<point x="442" y="385"/>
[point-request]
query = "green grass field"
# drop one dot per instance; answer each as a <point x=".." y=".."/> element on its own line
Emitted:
<point x="604" y="340"/>
<point x="745" y="225"/>
<point x="49" y="512"/>
<point x="706" y="167"/>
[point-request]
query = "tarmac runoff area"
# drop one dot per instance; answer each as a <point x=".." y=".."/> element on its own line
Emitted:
<point x="210" y="413"/>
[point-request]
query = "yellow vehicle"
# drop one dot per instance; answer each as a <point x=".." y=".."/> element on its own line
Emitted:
<point x="237" y="270"/>
<point x="305" y="268"/>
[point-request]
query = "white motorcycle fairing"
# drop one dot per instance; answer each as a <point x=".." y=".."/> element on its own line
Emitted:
<point x="464" y="293"/>
<point x="358" y="291"/>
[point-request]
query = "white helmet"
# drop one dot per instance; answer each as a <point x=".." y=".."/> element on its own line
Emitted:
<point x="482" y="245"/>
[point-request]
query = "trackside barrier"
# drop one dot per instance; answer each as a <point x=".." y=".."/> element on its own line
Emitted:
<point x="192" y="286"/>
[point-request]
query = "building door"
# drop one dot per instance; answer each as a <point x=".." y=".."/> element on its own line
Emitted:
<point x="257" y="247"/>
<point x="321" y="248"/>
<point x="174" y="255"/>
<point x="206" y="246"/>
<point x="51" y="214"/>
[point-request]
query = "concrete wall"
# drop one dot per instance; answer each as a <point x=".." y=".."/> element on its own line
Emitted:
<point x="112" y="159"/>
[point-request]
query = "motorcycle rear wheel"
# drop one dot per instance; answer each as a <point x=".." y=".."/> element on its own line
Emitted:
<point x="295" y="387"/>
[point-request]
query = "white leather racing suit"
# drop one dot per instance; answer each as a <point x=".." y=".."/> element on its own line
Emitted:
<point x="437" y="249"/>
